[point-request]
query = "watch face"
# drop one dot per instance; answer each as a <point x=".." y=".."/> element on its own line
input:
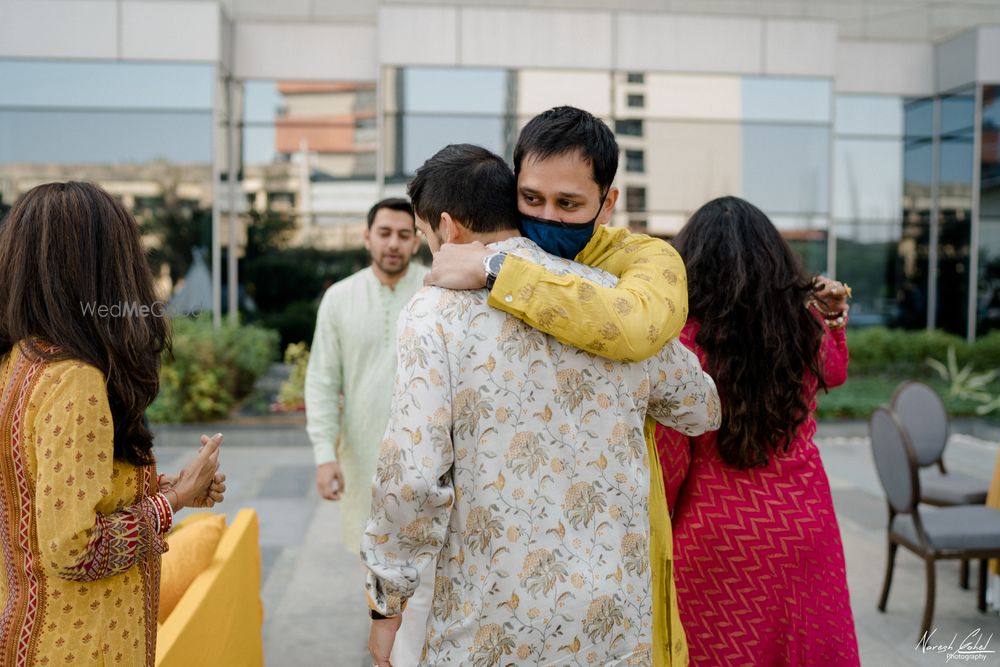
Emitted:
<point x="495" y="262"/>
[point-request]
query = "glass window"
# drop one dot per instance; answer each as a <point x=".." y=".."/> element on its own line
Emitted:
<point x="958" y="112"/>
<point x="778" y="99"/>
<point x="325" y="127"/>
<point x="869" y="115"/>
<point x="635" y="161"/>
<point x="636" y="77"/>
<point x="811" y="249"/>
<point x="918" y="117"/>
<point x="867" y="179"/>
<point x="913" y="249"/>
<point x="629" y="127"/>
<point x="423" y="136"/>
<point x="141" y="130"/>
<point x="454" y="90"/>
<point x="105" y="85"/>
<point x="786" y="168"/>
<point x="955" y="210"/>
<point x="988" y="302"/>
<point x="636" y="101"/>
<point x="635" y="198"/>
<point x="868" y="260"/>
<point x="105" y="137"/>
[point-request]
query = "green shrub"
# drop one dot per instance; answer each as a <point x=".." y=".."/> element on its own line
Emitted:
<point x="898" y="351"/>
<point x="986" y="352"/>
<point x="861" y="394"/>
<point x="292" y="395"/>
<point x="211" y="370"/>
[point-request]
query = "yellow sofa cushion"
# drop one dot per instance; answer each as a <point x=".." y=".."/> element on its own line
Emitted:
<point x="192" y="547"/>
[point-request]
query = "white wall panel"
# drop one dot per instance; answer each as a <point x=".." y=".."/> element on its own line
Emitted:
<point x="891" y="68"/>
<point x="535" y="38"/>
<point x="662" y="42"/>
<point x="299" y="51"/>
<point x="171" y="31"/>
<point x="807" y="48"/>
<point x="59" y="29"/>
<point x="418" y="36"/>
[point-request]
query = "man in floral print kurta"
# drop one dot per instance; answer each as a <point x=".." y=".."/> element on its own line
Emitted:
<point x="515" y="462"/>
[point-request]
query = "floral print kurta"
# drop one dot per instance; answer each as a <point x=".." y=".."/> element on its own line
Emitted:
<point x="80" y="533"/>
<point x="519" y="464"/>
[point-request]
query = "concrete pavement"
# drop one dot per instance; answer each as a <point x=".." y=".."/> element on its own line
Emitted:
<point x="315" y="613"/>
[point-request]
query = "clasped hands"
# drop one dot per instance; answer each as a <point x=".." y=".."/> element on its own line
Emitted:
<point x="199" y="484"/>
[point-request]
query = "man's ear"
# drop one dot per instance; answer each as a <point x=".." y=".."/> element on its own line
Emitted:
<point x="604" y="217"/>
<point x="452" y="231"/>
<point x="368" y="239"/>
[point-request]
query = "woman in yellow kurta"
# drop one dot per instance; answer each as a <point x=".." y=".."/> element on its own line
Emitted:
<point x="82" y="512"/>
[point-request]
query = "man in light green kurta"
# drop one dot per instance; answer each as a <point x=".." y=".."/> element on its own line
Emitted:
<point x="350" y="375"/>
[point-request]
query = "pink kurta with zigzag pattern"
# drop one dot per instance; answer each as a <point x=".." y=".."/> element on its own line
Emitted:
<point x="759" y="563"/>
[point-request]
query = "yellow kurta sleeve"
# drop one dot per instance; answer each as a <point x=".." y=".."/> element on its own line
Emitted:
<point x="74" y="445"/>
<point x="629" y="322"/>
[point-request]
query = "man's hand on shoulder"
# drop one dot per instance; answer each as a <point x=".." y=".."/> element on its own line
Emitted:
<point x="459" y="266"/>
<point x="330" y="480"/>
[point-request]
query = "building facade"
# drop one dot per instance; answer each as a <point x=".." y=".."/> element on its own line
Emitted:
<point x="866" y="130"/>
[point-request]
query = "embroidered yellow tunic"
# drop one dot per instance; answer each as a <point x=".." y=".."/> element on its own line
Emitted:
<point x="79" y="531"/>
<point x="628" y="322"/>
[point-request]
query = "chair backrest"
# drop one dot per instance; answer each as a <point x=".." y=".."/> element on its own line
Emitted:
<point x="894" y="460"/>
<point x="921" y="412"/>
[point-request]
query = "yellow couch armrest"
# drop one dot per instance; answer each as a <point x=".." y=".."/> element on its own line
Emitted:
<point x="219" y="619"/>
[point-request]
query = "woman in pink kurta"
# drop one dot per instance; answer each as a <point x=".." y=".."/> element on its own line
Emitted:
<point x="759" y="563"/>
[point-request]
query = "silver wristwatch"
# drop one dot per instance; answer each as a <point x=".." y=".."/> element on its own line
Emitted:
<point x="492" y="265"/>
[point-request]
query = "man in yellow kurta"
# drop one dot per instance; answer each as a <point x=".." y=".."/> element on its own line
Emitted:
<point x="565" y="162"/>
<point x="514" y="463"/>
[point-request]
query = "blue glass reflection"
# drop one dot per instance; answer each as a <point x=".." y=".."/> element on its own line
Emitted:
<point x="867" y="179"/>
<point x="101" y="85"/>
<point x="423" y="136"/>
<point x="771" y="98"/>
<point x="105" y="137"/>
<point x="871" y="115"/>
<point x="786" y="169"/>
<point x="958" y="113"/>
<point x="454" y="91"/>
<point x="919" y="117"/>
<point x="261" y="102"/>
<point x="918" y="167"/>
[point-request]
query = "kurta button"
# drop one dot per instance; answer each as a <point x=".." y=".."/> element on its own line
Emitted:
<point x="509" y="298"/>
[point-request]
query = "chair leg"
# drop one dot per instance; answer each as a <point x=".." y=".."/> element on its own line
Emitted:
<point x="981" y="592"/>
<point x="929" y="603"/>
<point x="963" y="575"/>
<point x="890" y="563"/>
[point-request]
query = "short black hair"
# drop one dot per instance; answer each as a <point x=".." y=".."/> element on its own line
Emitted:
<point x="470" y="183"/>
<point x="566" y="130"/>
<point x="391" y="203"/>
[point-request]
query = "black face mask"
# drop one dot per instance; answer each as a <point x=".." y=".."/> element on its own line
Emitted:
<point x="563" y="239"/>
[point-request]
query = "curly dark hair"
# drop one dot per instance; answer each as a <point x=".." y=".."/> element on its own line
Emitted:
<point x="64" y="249"/>
<point x="748" y="290"/>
